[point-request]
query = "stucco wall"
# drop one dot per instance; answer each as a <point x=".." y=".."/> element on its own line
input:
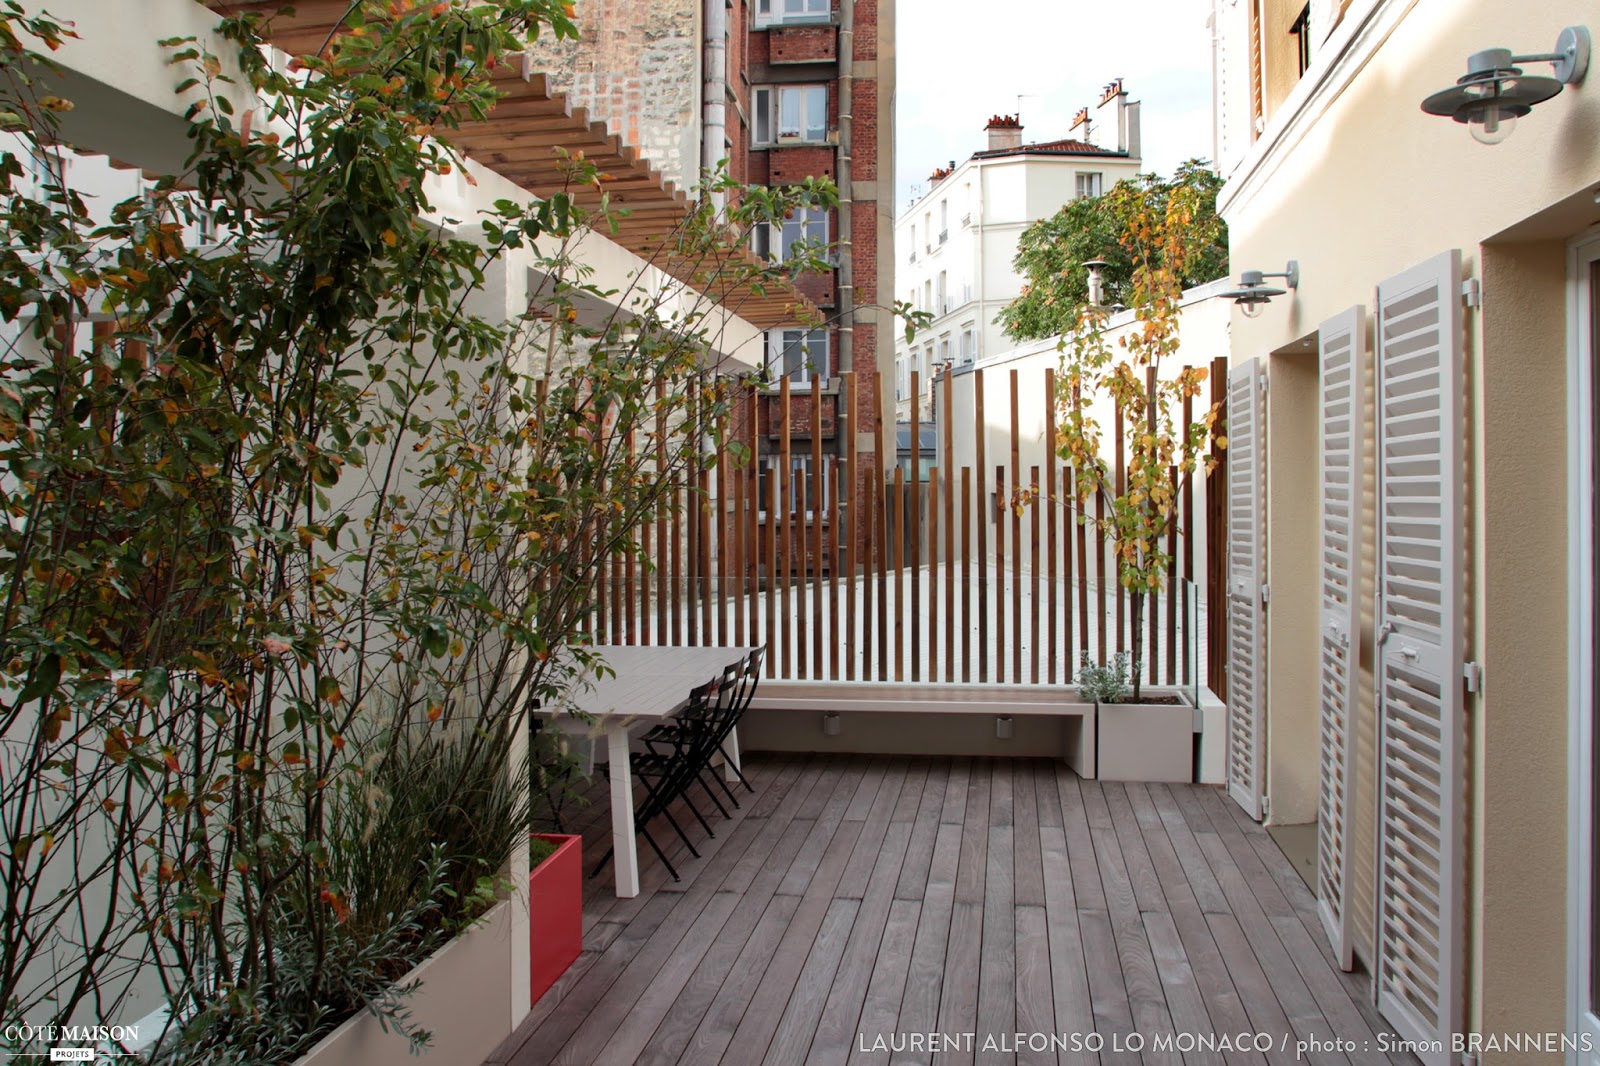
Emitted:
<point x="1358" y="184"/>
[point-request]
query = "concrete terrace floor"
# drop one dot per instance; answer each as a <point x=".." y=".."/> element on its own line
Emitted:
<point x="855" y="900"/>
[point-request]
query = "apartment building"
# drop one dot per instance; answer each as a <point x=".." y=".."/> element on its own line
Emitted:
<point x="956" y="242"/>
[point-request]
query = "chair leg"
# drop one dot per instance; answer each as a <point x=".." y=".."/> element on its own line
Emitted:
<point x="655" y="804"/>
<point x="745" y="781"/>
<point x="663" y="855"/>
<point x="700" y="776"/>
<point x="676" y="828"/>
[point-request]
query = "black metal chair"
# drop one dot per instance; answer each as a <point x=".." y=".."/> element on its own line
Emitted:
<point x="667" y="775"/>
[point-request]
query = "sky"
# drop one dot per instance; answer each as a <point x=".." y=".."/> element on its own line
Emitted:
<point x="959" y="61"/>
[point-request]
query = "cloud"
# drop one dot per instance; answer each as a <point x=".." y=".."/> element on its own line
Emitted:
<point x="959" y="63"/>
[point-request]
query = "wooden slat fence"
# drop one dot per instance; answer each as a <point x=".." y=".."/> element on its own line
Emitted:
<point x="968" y="573"/>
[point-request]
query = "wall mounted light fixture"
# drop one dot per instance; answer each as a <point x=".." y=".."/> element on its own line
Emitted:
<point x="1254" y="293"/>
<point x="1494" y="92"/>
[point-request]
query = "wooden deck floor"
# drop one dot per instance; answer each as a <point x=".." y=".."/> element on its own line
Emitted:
<point x="856" y="901"/>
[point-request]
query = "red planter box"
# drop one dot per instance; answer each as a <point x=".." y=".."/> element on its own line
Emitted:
<point x="555" y="910"/>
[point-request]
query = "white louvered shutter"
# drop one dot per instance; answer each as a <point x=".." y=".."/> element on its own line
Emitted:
<point x="1341" y="341"/>
<point x="1420" y="426"/>
<point x="1247" y="663"/>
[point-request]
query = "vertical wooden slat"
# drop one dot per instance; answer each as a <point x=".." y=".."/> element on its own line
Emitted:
<point x="1215" y="596"/>
<point x="1079" y="510"/>
<point x="949" y="467"/>
<point x="771" y="595"/>
<point x="897" y="542"/>
<point x="602" y="572"/>
<point x="1152" y="601"/>
<point x="702" y="512"/>
<point x="981" y="511"/>
<point x="720" y="513"/>
<point x="851" y="519"/>
<point x="816" y="512"/>
<point x="1120" y="489"/>
<point x="691" y="518"/>
<point x="666" y="557"/>
<point x="630" y="563"/>
<point x="736" y="570"/>
<point x="1100" y="576"/>
<point x="1033" y="587"/>
<point x="1016" y="537"/>
<point x="833" y="566"/>
<point x="879" y="491"/>
<point x="1049" y="489"/>
<point x="752" y="588"/>
<point x="912" y="504"/>
<point x="1186" y="511"/>
<point x="646" y="558"/>
<point x="1071" y="651"/>
<point x="933" y="574"/>
<point x="997" y="515"/>
<point x="966" y="573"/>
<point x="784" y="565"/>
<point x="1172" y="592"/>
<point x="872" y="581"/>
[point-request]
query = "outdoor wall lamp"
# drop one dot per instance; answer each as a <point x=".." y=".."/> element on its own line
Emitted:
<point x="1254" y="293"/>
<point x="1494" y="92"/>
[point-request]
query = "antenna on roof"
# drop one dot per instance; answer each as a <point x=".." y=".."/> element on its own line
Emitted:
<point x="1021" y="97"/>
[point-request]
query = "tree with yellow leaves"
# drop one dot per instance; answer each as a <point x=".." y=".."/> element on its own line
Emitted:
<point x="1142" y="508"/>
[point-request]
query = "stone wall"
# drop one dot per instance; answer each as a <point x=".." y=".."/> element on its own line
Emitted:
<point x="637" y="68"/>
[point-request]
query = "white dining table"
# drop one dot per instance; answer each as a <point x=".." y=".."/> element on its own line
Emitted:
<point x="648" y="684"/>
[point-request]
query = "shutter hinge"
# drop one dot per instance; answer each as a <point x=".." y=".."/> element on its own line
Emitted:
<point x="1266" y="595"/>
<point x="1261" y="382"/>
<point x="1471" y="293"/>
<point x="1474" y="676"/>
<point x="1266" y="806"/>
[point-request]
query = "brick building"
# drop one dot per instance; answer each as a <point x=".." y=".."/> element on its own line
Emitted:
<point x="783" y="90"/>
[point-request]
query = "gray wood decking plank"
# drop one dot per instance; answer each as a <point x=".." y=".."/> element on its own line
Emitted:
<point x="958" y="1000"/>
<point x="1035" y="998"/>
<point x="925" y="832"/>
<point x="997" y="960"/>
<point x="880" y="1013"/>
<point x="1069" y="973"/>
<point x="1025" y="814"/>
<point x="847" y="998"/>
<point x="974" y="865"/>
<point x="803" y="1011"/>
<point x="919" y="1009"/>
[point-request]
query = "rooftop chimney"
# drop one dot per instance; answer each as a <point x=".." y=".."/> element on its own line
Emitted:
<point x="1127" y="117"/>
<point x="1005" y="132"/>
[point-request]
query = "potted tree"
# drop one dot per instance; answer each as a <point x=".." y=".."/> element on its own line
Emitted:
<point x="1138" y="737"/>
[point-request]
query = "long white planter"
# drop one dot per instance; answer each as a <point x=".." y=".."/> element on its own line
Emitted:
<point x="465" y="999"/>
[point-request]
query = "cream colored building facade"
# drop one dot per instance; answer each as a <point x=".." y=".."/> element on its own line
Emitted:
<point x="1456" y="811"/>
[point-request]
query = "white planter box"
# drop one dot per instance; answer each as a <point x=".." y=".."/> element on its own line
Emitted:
<point x="1146" y="742"/>
<point x="465" y="1000"/>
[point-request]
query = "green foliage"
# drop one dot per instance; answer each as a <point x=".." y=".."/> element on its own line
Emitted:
<point x="1104" y="684"/>
<point x="1052" y="251"/>
<point x="293" y="546"/>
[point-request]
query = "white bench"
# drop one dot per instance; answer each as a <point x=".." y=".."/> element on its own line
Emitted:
<point x="952" y="719"/>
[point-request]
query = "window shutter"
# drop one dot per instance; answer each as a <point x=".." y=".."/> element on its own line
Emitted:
<point x="1340" y="341"/>
<point x="1246" y="564"/>
<point x="1419" y="653"/>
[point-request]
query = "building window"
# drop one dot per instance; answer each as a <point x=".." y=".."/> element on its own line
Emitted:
<point x="797" y="354"/>
<point x="966" y="293"/>
<point x="804" y="489"/>
<point x="944" y="297"/>
<point x="944" y="354"/>
<point x="1301" y="32"/>
<point x="913" y="256"/>
<point x="786" y="113"/>
<point x="927" y="229"/>
<point x="944" y="220"/>
<point x="969" y="343"/>
<point x="1088" y="185"/>
<point x="776" y="241"/>
<point x="902" y="377"/>
<point x="927" y="363"/>
<point x="927" y="295"/>
<point x="793" y="10"/>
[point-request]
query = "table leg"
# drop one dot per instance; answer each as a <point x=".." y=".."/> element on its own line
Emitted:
<point x="625" y="862"/>
<point x="730" y="769"/>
